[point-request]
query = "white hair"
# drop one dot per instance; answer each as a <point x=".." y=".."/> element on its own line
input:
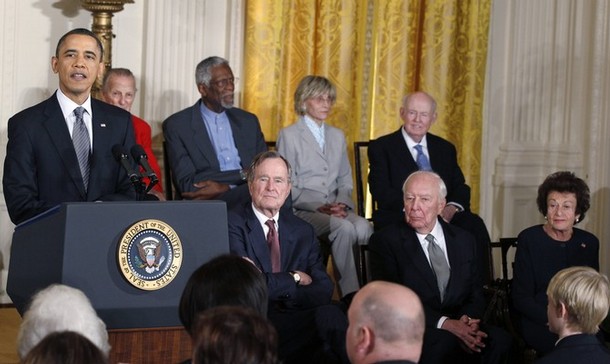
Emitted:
<point x="60" y="308"/>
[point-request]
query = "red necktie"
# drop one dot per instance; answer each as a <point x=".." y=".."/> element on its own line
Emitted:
<point x="274" y="246"/>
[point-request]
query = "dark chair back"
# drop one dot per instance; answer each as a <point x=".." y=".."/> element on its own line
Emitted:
<point x="167" y="174"/>
<point x="361" y="167"/>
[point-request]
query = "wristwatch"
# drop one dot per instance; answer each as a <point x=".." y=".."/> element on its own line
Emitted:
<point x="296" y="276"/>
<point x="243" y="175"/>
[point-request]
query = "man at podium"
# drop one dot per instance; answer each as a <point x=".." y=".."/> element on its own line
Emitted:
<point x="60" y="150"/>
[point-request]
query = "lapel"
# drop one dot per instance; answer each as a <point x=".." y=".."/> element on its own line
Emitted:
<point x="201" y="138"/>
<point x="413" y="250"/>
<point x="55" y="124"/>
<point x="288" y="240"/>
<point x="407" y="163"/>
<point x="309" y="140"/>
<point x="256" y="237"/>
<point x="436" y="158"/>
<point x="102" y="137"/>
<point x="452" y="255"/>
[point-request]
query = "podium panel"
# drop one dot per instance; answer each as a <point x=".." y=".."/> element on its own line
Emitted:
<point x="76" y="244"/>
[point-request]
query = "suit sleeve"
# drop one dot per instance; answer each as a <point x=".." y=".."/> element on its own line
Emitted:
<point x="457" y="189"/>
<point x="345" y="184"/>
<point x="524" y="284"/>
<point x="387" y="196"/>
<point x="19" y="179"/>
<point x="382" y="260"/>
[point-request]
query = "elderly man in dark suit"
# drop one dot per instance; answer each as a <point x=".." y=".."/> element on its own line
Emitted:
<point x="437" y="261"/>
<point x="284" y="248"/>
<point x="61" y="149"/>
<point x="395" y="156"/>
<point x="211" y="142"/>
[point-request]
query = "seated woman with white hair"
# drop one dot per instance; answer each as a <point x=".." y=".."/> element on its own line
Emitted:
<point x="60" y="308"/>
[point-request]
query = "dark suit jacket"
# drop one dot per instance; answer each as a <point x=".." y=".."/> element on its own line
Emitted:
<point x="299" y="251"/>
<point x="41" y="169"/>
<point x="191" y="153"/>
<point x="397" y="256"/>
<point x="391" y="163"/>
<point x="581" y="348"/>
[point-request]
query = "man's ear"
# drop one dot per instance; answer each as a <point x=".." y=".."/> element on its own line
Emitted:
<point x="366" y="341"/>
<point x="54" y="64"/>
<point x="203" y="90"/>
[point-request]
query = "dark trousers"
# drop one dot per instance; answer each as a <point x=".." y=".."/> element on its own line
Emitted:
<point x="441" y="346"/>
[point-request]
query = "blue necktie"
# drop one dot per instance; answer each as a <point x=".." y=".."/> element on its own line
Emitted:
<point x="82" y="145"/>
<point x="422" y="161"/>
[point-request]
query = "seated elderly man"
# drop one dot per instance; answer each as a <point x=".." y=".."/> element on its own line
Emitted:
<point x="579" y="298"/>
<point x="437" y="261"/>
<point x="60" y="308"/>
<point x="284" y="248"/>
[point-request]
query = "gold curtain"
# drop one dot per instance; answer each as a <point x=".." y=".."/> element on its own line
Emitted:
<point x="374" y="51"/>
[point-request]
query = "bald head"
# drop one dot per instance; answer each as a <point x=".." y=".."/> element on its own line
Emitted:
<point x="386" y="321"/>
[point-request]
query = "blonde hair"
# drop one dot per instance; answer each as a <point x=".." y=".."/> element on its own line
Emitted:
<point x="312" y="86"/>
<point x="585" y="294"/>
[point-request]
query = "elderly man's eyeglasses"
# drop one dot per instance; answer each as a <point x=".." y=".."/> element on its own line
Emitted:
<point x="225" y="82"/>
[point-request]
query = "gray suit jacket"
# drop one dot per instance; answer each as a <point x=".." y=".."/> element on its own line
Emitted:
<point x="318" y="177"/>
<point x="191" y="153"/>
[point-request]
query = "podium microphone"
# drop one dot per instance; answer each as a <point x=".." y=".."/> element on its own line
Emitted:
<point x="138" y="153"/>
<point x="121" y="156"/>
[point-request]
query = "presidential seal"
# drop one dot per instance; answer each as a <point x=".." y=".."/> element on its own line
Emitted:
<point x="150" y="254"/>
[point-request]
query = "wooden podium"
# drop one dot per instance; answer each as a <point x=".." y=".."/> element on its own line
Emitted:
<point x="85" y="245"/>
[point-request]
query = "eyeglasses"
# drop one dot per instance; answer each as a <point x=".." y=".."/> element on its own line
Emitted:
<point x="225" y="82"/>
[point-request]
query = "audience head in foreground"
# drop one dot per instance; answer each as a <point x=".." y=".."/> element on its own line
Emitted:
<point x="386" y="322"/>
<point x="227" y="280"/>
<point x="65" y="347"/>
<point x="234" y="335"/>
<point x="60" y="308"/>
<point x="579" y="299"/>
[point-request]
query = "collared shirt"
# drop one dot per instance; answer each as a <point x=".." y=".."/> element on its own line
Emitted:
<point x="411" y="145"/>
<point x="316" y="130"/>
<point x="262" y="218"/>
<point x="67" y="108"/>
<point x="439" y="238"/>
<point x="221" y="136"/>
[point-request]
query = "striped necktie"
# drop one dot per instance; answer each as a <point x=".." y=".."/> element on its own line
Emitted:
<point x="82" y="145"/>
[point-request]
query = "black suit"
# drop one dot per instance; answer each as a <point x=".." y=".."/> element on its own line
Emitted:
<point x="193" y="158"/>
<point x="396" y="255"/>
<point x="391" y="163"/>
<point x="580" y="348"/>
<point x="305" y="319"/>
<point x="41" y="169"/>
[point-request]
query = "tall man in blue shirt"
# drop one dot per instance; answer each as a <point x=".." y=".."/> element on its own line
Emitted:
<point x="211" y="142"/>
